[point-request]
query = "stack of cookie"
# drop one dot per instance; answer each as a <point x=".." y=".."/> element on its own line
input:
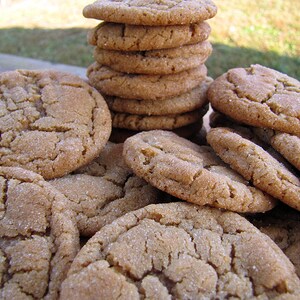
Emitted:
<point x="150" y="63"/>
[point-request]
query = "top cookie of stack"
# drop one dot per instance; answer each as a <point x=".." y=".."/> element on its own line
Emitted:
<point x="150" y="57"/>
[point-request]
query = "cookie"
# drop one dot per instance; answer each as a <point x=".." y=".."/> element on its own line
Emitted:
<point x="192" y="100"/>
<point x="256" y="165"/>
<point x="282" y="225"/>
<point x="191" y="172"/>
<point x="124" y="37"/>
<point x="144" y="87"/>
<point x="164" y="122"/>
<point x="160" y="62"/>
<point x="151" y="12"/>
<point x="258" y="96"/>
<point x="104" y="190"/>
<point x="50" y="122"/>
<point x="119" y="135"/>
<point x="181" y="251"/>
<point x="287" y="145"/>
<point x="38" y="236"/>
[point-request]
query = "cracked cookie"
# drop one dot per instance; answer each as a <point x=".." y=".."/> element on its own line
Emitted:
<point x="258" y="96"/>
<point x="180" y="251"/>
<point x="192" y="100"/>
<point x="286" y="144"/>
<point x="256" y="165"/>
<point x="160" y="62"/>
<point x="104" y="190"/>
<point x="191" y="172"/>
<point x="144" y="87"/>
<point x="50" y="122"/>
<point x="151" y="13"/>
<point x="163" y="122"/>
<point x="38" y="236"/>
<point x="282" y="225"/>
<point x="124" y="37"/>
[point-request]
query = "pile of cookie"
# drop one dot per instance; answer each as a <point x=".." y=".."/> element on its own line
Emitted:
<point x="150" y="64"/>
<point x="157" y="217"/>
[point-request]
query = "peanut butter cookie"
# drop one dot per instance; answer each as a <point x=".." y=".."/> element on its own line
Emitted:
<point x="50" y="122"/>
<point x="192" y="100"/>
<point x="256" y="165"/>
<point x="151" y="13"/>
<point x="104" y="190"/>
<point x="144" y="87"/>
<point x="124" y="37"/>
<point x="191" y="172"/>
<point x="38" y="236"/>
<point x="258" y="96"/>
<point x="160" y="62"/>
<point x="181" y="251"/>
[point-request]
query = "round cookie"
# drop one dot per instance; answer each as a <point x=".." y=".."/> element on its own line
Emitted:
<point x="282" y="225"/>
<point x="151" y="12"/>
<point x="181" y="251"/>
<point x="124" y="37"/>
<point x="192" y="100"/>
<point x="50" y="122"/>
<point x="191" y="172"/>
<point x="144" y="87"/>
<point x="256" y="165"/>
<point x="104" y="190"/>
<point x="287" y="145"/>
<point x="160" y="62"/>
<point x="119" y="135"/>
<point x="38" y="236"/>
<point x="164" y="122"/>
<point x="258" y="96"/>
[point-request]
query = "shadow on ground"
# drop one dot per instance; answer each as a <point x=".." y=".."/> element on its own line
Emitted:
<point x="69" y="46"/>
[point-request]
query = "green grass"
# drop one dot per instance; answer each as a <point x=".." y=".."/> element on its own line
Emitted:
<point x="243" y="32"/>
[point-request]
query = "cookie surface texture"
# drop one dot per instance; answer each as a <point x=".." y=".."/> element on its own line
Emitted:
<point x="181" y="251"/>
<point x="50" y="122"/>
<point x="160" y="62"/>
<point x="189" y="101"/>
<point x="151" y="12"/>
<point x="144" y="87"/>
<point x="191" y="172"/>
<point x="260" y="97"/>
<point x="38" y="236"/>
<point x="256" y="165"/>
<point x="124" y="37"/>
<point x="104" y="190"/>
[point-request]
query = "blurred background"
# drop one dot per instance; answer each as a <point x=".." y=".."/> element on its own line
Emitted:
<point x="243" y="32"/>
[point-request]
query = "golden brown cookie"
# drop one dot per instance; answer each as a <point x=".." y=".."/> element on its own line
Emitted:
<point x="104" y="190"/>
<point x="164" y="122"/>
<point x="119" y="135"/>
<point x="124" y="37"/>
<point x="191" y="172"/>
<point x="144" y="87"/>
<point x="160" y="62"/>
<point x="50" y="122"/>
<point x="258" y="96"/>
<point x="192" y="100"/>
<point x="282" y="225"/>
<point x="256" y="165"/>
<point x="151" y="12"/>
<point x="38" y="236"/>
<point x="181" y="251"/>
<point x="286" y="144"/>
